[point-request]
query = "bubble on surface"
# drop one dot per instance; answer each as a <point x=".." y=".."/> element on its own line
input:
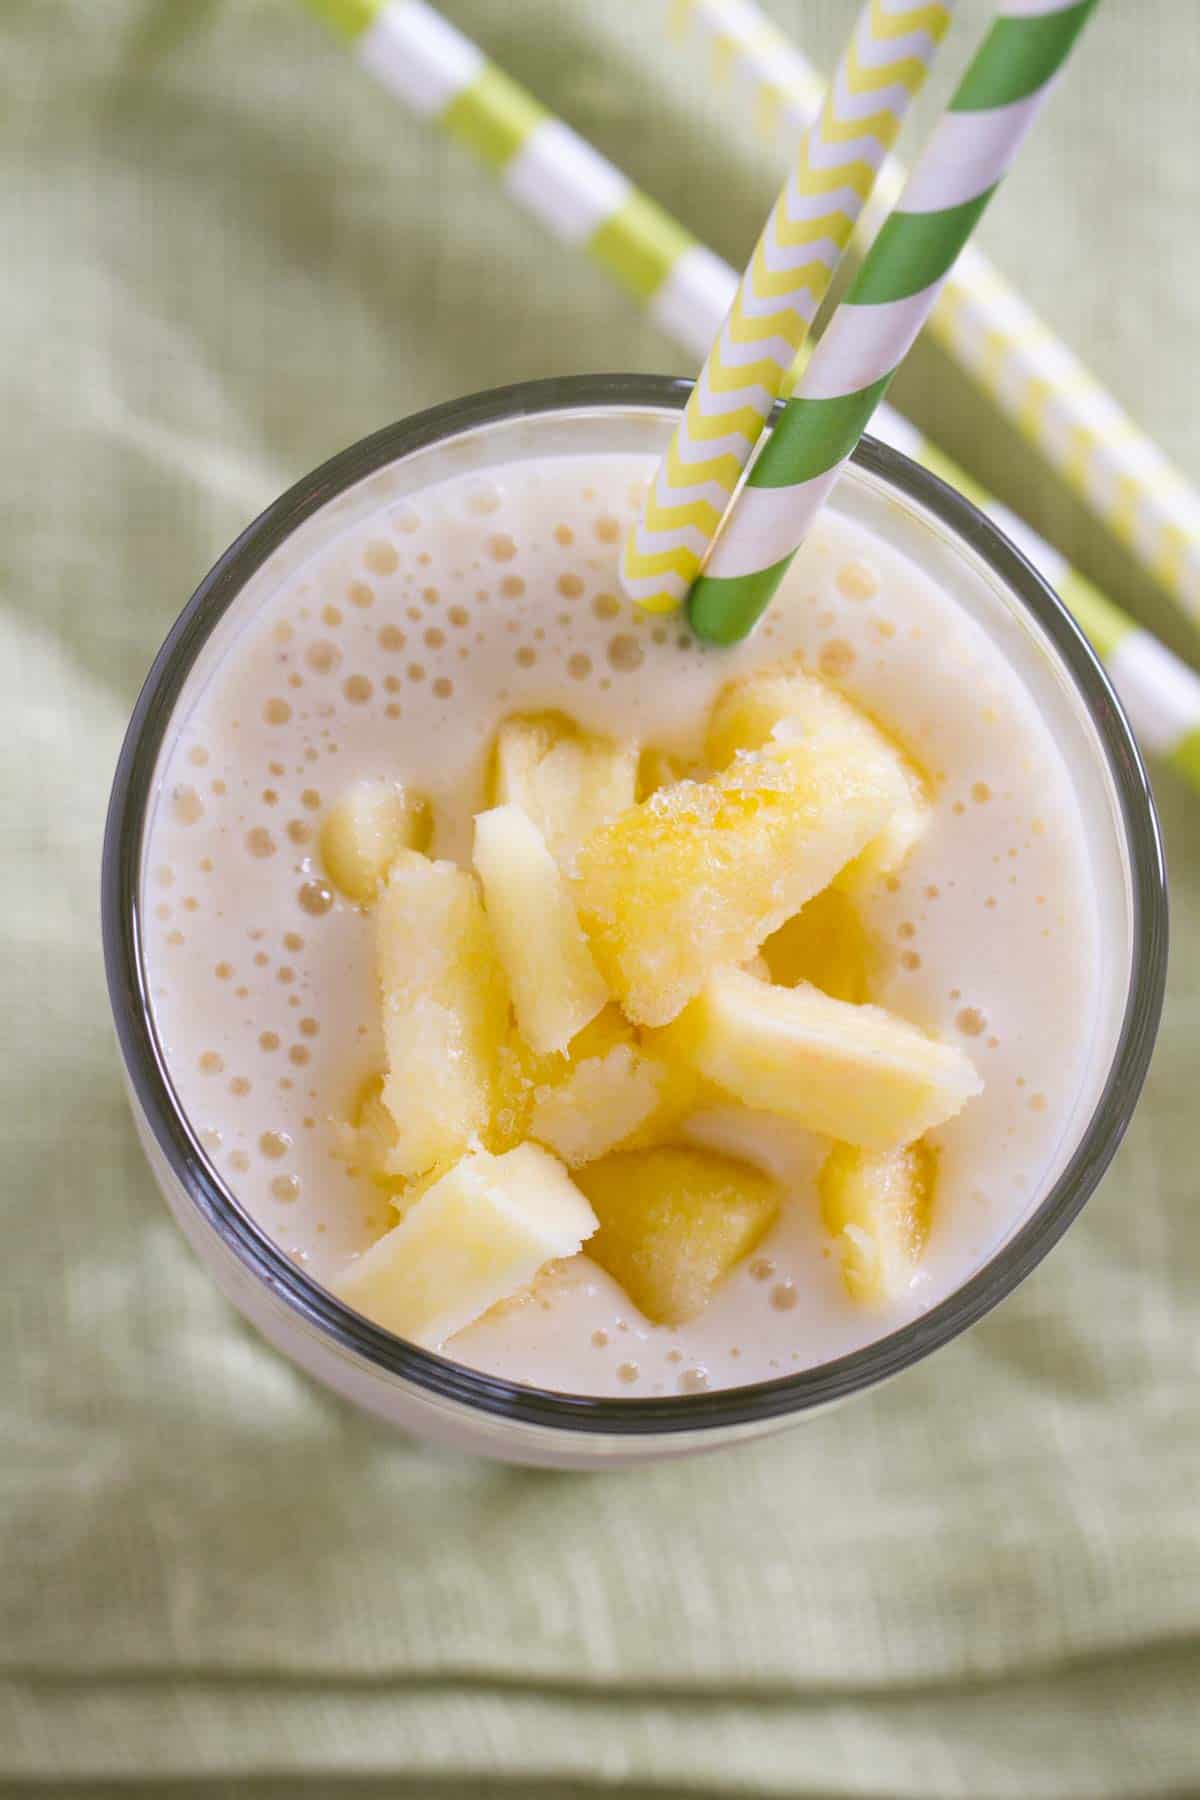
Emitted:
<point x="186" y="805"/>
<point x="381" y="557"/>
<point x="315" y="897"/>
<point x="857" y="581"/>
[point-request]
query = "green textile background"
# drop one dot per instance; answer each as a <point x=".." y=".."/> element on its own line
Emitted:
<point x="225" y="255"/>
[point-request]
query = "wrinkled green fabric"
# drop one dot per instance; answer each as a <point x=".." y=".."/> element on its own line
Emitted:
<point x="226" y="254"/>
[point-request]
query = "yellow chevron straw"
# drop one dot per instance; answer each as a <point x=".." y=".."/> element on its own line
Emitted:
<point x="880" y="72"/>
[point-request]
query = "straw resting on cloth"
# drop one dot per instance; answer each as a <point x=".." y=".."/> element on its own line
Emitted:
<point x="548" y="168"/>
<point x="889" y="300"/>
<point x="807" y="229"/>
<point x="229" y="255"/>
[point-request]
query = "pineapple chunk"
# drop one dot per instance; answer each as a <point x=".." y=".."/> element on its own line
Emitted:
<point x="659" y="769"/>
<point x="570" y="782"/>
<point x="856" y="1073"/>
<point x="826" y="943"/>
<point x="519" y="1073"/>
<point x="775" y="708"/>
<point x="477" y="1236"/>
<point x="361" y="835"/>
<point x="702" y="872"/>
<point x="445" y="1010"/>
<point x="556" y="987"/>
<point x="673" y="1222"/>
<point x="522" y="1075"/>
<point x="367" y="1142"/>
<point x="600" y="1105"/>
<point x="877" y="1205"/>
<point x="367" y="1139"/>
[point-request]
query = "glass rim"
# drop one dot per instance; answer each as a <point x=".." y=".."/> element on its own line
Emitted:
<point x="440" y="1377"/>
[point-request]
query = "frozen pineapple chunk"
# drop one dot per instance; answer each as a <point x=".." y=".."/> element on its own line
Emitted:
<point x="600" y="1104"/>
<point x="700" y="873"/>
<point x="367" y="1138"/>
<point x="522" y="1075"/>
<point x="520" y="1071"/>
<point x="767" y="709"/>
<point x="826" y="943"/>
<point x="556" y="987"/>
<point x="361" y="835"/>
<point x="673" y="1222"/>
<point x="477" y="1236"/>
<point x="445" y="1010"/>
<point x="877" y="1205"/>
<point x="660" y="768"/>
<point x="568" y="781"/>
<point x="856" y="1073"/>
<point x="616" y="1095"/>
<point x="367" y="1142"/>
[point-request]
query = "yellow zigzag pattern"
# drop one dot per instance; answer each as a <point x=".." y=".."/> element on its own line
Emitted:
<point x="774" y="306"/>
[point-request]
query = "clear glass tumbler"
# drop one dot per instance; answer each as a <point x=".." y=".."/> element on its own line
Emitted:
<point x="430" y="1394"/>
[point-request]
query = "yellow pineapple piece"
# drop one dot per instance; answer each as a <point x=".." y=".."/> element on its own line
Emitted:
<point x="673" y="1221"/>
<point x="362" y="833"/>
<point x="367" y="1138"/>
<point x="764" y="709"/>
<point x="520" y="1071"/>
<point x="825" y="943"/>
<point x="556" y="986"/>
<point x="445" y="1010"/>
<point x="702" y="872"/>
<point x="659" y="769"/>
<point x="877" y="1205"/>
<point x="856" y="1073"/>
<point x="601" y="1104"/>
<point x="478" y="1235"/>
<point x="367" y="1142"/>
<point x="522" y="1074"/>
<point x="567" y="780"/>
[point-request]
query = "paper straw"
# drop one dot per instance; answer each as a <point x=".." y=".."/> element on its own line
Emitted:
<point x="880" y="73"/>
<point x="984" y="325"/>
<point x="1159" y="692"/>
<point x="431" y="67"/>
<point x="890" y="298"/>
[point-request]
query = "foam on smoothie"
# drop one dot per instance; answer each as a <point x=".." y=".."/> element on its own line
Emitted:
<point x="396" y="652"/>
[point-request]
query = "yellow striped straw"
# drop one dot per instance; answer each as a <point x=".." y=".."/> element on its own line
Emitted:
<point x="984" y="325"/>
<point x="880" y="72"/>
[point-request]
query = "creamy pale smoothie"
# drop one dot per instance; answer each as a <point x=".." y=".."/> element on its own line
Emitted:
<point x="396" y="654"/>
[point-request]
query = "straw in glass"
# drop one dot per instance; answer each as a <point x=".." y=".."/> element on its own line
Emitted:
<point x="869" y="335"/>
<point x="984" y="324"/>
<point x="880" y="72"/>
<point x="688" y="291"/>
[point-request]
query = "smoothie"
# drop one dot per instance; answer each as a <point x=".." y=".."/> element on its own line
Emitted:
<point x="396" y="656"/>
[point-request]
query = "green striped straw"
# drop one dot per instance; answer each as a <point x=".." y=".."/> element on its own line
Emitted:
<point x="889" y="300"/>
<point x="430" y="67"/>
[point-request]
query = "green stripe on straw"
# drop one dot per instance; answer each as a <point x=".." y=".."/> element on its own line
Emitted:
<point x="814" y="434"/>
<point x="915" y="248"/>
<point x="1025" y="52"/>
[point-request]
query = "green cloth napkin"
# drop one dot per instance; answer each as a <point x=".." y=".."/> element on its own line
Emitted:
<point x="225" y="255"/>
